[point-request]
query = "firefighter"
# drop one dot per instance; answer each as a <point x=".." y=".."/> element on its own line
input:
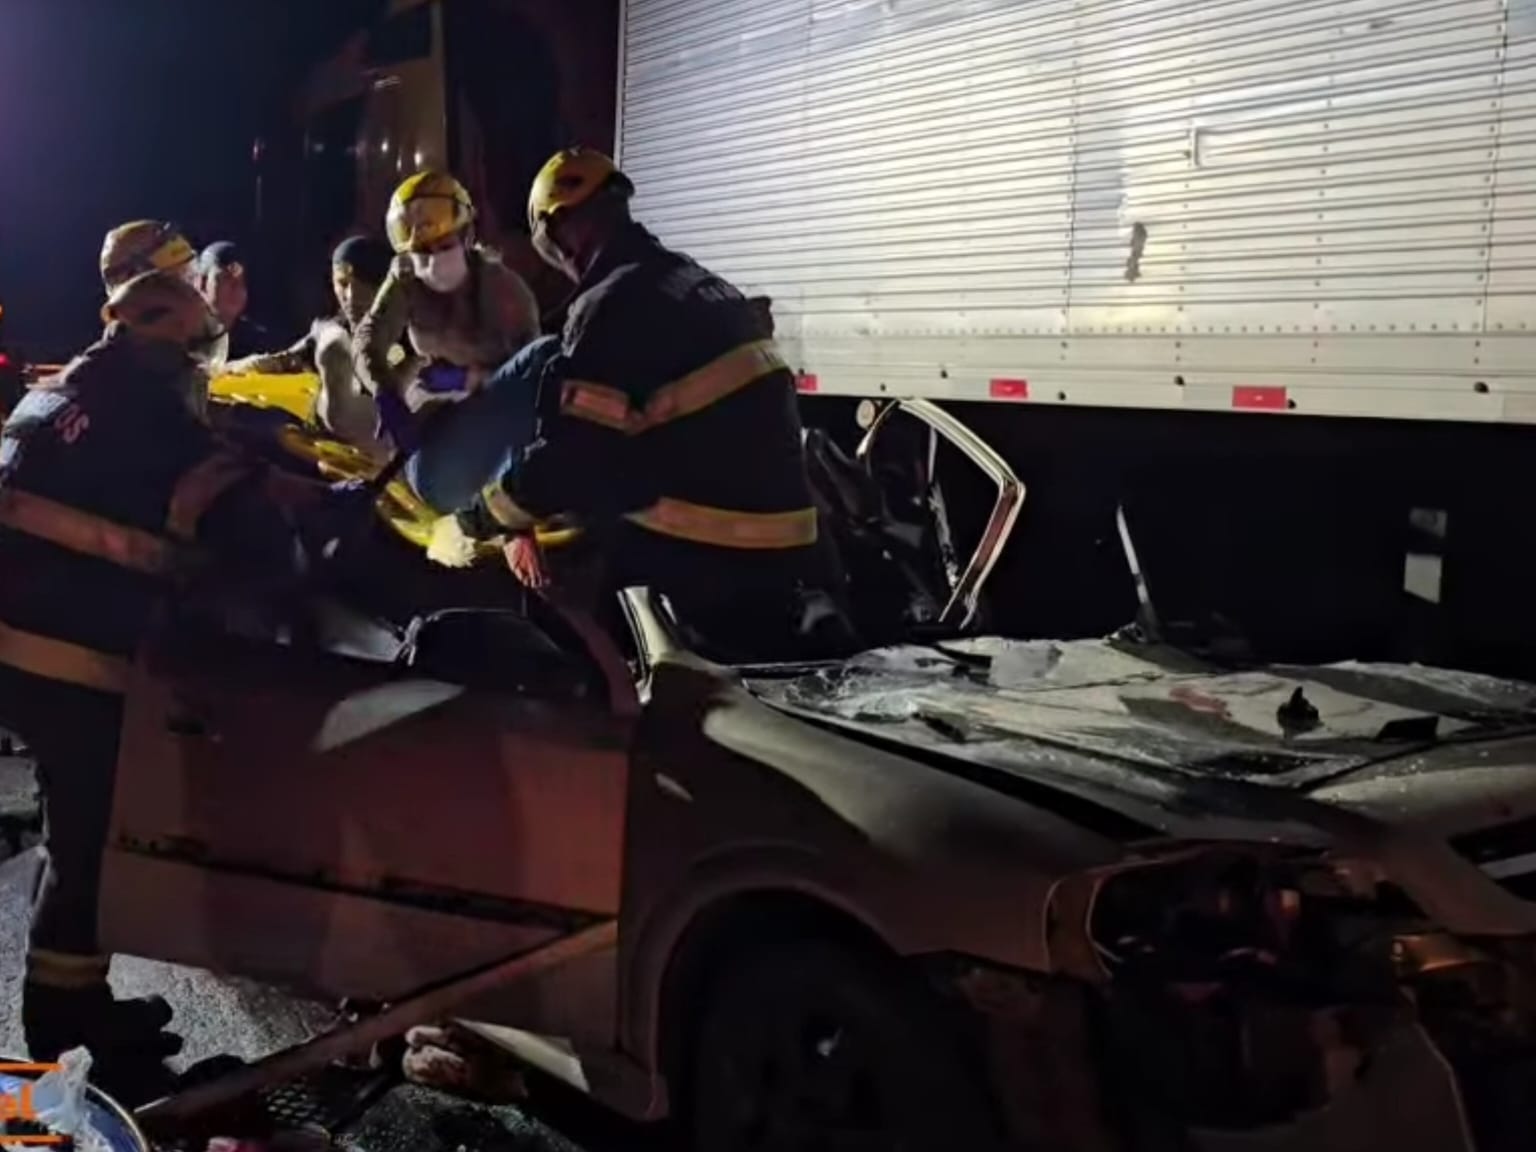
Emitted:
<point x="141" y="246"/>
<point x="669" y="427"/>
<point x="464" y="311"/>
<point x="343" y="406"/>
<point x="110" y="485"/>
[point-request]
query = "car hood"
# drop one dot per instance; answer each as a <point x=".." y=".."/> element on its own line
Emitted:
<point x="1179" y="748"/>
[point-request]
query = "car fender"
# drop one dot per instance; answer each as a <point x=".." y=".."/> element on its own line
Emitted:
<point x="732" y="799"/>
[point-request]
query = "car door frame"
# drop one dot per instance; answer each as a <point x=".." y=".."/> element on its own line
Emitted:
<point x="152" y="893"/>
<point x="654" y="630"/>
<point x="965" y="593"/>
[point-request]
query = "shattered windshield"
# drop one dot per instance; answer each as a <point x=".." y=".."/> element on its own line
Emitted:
<point x="1151" y="708"/>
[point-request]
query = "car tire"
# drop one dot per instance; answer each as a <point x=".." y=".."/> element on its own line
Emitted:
<point x="814" y="1046"/>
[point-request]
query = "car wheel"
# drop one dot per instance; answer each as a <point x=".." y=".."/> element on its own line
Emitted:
<point x="810" y="1047"/>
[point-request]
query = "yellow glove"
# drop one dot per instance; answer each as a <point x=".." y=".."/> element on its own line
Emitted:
<point x="450" y="545"/>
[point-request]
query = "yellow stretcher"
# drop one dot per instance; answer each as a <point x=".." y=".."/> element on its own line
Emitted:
<point x="399" y="505"/>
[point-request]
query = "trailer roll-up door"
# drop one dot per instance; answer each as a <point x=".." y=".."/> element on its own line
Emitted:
<point x="1286" y="205"/>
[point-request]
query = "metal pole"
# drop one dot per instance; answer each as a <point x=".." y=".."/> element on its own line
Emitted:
<point x="432" y="1004"/>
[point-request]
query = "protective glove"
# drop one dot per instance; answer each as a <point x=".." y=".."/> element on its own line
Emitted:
<point x="450" y="545"/>
<point x="442" y="377"/>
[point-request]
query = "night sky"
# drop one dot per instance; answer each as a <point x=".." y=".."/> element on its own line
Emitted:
<point x="112" y="110"/>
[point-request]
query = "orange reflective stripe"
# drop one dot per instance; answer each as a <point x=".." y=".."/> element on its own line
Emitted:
<point x="598" y="403"/>
<point x="694" y="392"/>
<point x="60" y="660"/>
<point x="725" y="528"/>
<point x="198" y="489"/>
<point x="712" y="383"/>
<point x="85" y="532"/>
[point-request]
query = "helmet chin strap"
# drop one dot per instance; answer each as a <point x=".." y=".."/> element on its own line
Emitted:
<point x="194" y="391"/>
<point x="554" y="255"/>
<point x="201" y="347"/>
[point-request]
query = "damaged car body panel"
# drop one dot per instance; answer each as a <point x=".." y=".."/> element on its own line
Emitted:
<point x="357" y="827"/>
<point x="1264" y="908"/>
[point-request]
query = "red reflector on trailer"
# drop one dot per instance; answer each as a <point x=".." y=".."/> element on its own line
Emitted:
<point x="807" y="383"/>
<point x="1269" y="398"/>
<point x="1008" y="389"/>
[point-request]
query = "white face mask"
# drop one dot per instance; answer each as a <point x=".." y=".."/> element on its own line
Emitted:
<point x="441" y="271"/>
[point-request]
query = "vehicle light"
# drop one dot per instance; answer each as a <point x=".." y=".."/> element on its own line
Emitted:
<point x="1198" y="916"/>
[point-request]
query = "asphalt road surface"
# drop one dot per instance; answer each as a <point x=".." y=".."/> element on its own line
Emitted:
<point x="216" y="1016"/>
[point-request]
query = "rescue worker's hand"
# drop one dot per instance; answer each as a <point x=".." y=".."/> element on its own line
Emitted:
<point x="526" y="559"/>
<point x="450" y="545"/>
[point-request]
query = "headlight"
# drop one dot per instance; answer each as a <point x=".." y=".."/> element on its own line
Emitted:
<point x="1233" y="911"/>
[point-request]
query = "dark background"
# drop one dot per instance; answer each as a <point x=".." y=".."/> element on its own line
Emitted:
<point x="114" y="110"/>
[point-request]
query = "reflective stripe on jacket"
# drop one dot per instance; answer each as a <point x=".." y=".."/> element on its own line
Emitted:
<point x="670" y="408"/>
<point x="107" y="484"/>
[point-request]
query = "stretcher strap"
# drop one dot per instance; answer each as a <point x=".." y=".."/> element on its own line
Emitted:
<point x="721" y="377"/>
<point x="85" y="532"/>
<point x="725" y="528"/>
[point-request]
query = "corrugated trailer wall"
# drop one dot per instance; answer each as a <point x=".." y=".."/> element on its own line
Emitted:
<point x="1326" y="208"/>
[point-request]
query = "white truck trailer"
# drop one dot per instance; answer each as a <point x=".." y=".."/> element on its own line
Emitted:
<point x="1263" y="269"/>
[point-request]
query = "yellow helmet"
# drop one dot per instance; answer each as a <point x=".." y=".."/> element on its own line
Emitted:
<point x="162" y="305"/>
<point x="141" y="246"/>
<point x="572" y="177"/>
<point x="426" y="208"/>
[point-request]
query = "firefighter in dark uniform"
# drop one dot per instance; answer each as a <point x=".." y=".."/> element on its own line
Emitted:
<point x="668" y="426"/>
<point x="141" y="246"/>
<point x="111" y="486"/>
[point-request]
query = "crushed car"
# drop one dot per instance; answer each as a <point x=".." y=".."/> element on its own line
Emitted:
<point x="954" y="891"/>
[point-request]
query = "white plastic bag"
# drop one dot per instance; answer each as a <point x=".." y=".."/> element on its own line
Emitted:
<point x="59" y="1101"/>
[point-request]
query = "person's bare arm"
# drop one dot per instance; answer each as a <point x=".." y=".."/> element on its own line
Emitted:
<point x="289" y="362"/>
<point x="381" y="330"/>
